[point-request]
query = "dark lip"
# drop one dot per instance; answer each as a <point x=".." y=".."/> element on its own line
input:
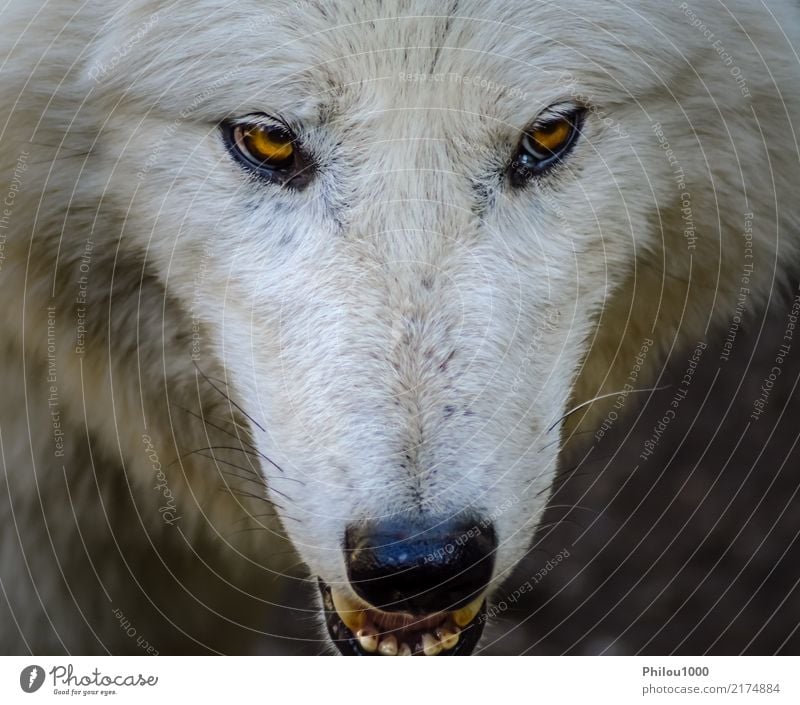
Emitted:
<point x="347" y="644"/>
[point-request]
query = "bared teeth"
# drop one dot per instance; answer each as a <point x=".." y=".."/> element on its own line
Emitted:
<point x="366" y="624"/>
<point x="466" y="614"/>
<point x="368" y="640"/>
<point x="430" y="645"/>
<point x="448" y="636"/>
<point x="388" y="646"/>
<point x="350" y="612"/>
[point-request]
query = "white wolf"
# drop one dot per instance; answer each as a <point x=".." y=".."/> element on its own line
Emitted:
<point x="359" y="259"/>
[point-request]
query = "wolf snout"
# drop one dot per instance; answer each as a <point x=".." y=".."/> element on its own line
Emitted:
<point x="402" y="566"/>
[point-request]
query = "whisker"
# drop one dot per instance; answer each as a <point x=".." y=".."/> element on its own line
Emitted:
<point x="256" y="476"/>
<point x="605" y="396"/>
<point x="249" y="529"/>
<point x="256" y="516"/>
<point x="257" y="480"/>
<point x="234" y="448"/>
<point x="259" y="516"/>
<point x="237" y="476"/>
<point x="206" y="422"/>
<point x="246" y="415"/>
<point x="200" y="451"/>
<point x="238" y="492"/>
<point x="214" y="386"/>
<point x="250" y="495"/>
<point x="231" y="420"/>
<point x="562" y="482"/>
<point x="219" y="380"/>
<point x="548" y="526"/>
<point x="558" y="440"/>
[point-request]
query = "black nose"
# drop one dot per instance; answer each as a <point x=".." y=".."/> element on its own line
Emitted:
<point x="401" y="566"/>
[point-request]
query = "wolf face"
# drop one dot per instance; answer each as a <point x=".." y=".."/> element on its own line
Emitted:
<point x="398" y="225"/>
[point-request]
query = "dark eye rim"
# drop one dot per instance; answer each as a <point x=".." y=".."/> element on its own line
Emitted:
<point x="296" y="174"/>
<point x="527" y="165"/>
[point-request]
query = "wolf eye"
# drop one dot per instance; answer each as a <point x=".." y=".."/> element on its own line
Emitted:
<point x="265" y="146"/>
<point x="545" y="143"/>
<point x="270" y="150"/>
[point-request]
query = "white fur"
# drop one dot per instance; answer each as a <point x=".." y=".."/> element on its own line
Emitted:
<point x="406" y="329"/>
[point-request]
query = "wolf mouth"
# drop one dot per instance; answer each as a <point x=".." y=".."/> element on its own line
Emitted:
<point x="360" y="630"/>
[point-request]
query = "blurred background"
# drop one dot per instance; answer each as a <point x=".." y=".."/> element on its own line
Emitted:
<point x="694" y="550"/>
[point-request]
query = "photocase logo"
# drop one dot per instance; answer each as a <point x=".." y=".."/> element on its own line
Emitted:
<point x="31" y="678"/>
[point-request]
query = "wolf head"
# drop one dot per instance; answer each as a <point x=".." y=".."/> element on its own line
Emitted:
<point x="408" y="278"/>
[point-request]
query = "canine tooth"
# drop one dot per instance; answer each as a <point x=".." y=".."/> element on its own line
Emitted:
<point x="368" y="640"/>
<point x="449" y="637"/>
<point x="405" y="650"/>
<point x="430" y="646"/>
<point x="349" y="611"/>
<point x="466" y="614"/>
<point x="388" y="646"/>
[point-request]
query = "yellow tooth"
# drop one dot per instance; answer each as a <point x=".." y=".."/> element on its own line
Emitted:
<point x="388" y="646"/>
<point x="368" y="640"/>
<point x="449" y="637"/>
<point x="405" y="650"/>
<point x="349" y="611"/>
<point x="466" y="614"/>
<point x="430" y="646"/>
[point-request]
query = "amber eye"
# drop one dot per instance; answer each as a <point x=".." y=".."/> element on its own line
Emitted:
<point x="549" y="139"/>
<point x="546" y="142"/>
<point x="267" y="148"/>
<point x="265" y="145"/>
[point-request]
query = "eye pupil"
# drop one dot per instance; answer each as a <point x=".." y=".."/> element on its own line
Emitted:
<point x="267" y="148"/>
<point x="552" y="136"/>
<point x="268" y="145"/>
<point x="544" y="145"/>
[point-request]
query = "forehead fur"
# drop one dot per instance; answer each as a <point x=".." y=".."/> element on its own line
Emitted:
<point x="295" y="57"/>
